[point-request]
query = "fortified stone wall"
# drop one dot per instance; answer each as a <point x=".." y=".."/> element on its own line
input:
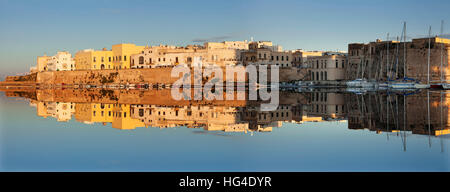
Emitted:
<point x="134" y="76"/>
<point x="370" y="61"/>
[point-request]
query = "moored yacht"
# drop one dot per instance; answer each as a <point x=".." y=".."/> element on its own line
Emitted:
<point x="360" y="83"/>
<point x="446" y="86"/>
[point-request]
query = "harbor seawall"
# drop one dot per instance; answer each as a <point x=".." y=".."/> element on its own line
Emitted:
<point x="120" y="77"/>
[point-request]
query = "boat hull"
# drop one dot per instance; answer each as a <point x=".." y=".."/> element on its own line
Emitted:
<point x="421" y="86"/>
<point x="436" y="86"/>
<point x="446" y="86"/>
<point x="402" y="86"/>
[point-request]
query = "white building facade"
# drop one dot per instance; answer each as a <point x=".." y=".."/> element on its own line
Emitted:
<point x="62" y="61"/>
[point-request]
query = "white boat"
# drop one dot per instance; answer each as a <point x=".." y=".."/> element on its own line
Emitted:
<point x="356" y="90"/>
<point x="446" y="85"/>
<point x="359" y="83"/>
<point x="402" y="85"/>
<point x="421" y="86"/>
<point x="383" y="84"/>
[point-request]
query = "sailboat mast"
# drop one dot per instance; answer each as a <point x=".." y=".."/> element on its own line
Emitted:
<point x="442" y="58"/>
<point x="429" y="53"/>
<point x="387" y="58"/>
<point x="396" y="58"/>
<point x="404" y="50"/>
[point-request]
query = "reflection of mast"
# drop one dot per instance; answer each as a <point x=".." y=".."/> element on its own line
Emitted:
<point x="396" y="101"/>
<point x="429" y="125"/>
<point x="387" y="115"/>
<point x="404" y="122"/>
<point x="393" y="115"/>
<point x="442" y="122"/>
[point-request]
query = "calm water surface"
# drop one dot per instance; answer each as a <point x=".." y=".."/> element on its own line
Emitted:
<point x="319" y="131"/>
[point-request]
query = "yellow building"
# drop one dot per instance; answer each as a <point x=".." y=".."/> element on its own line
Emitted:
<point x="42" y="63"/>
<point x="122" y="118"/>
<point x="41" y="110"/>
<point x="90" y="59"/>
<point x="122" y="54"/>
<point x="94" y="112"/>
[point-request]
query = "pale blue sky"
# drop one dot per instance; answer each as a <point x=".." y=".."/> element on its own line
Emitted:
<point x="32" y="28"/>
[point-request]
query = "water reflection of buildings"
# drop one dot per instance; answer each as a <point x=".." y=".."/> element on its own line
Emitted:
<point x="117" y="114"/>
<point x="424" y="113"/>
<point x="327" y="105"/>
<point x="212" y="118"/>
<point x="61" y="111"/>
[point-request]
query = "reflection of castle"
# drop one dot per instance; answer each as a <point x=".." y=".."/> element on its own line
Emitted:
<point x="420" y="113"/>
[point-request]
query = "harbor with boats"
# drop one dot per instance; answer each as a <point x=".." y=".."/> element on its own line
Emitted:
<point x="399" y="64"/>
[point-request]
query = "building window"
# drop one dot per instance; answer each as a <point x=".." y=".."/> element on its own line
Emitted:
<point x="326" y="78"/>
<point x="109" y="59"/>
<point x="94" y="59"/>
<point x="337" y="63"/>
<point x="125" y="58"/>
<point x="141" y="60"/>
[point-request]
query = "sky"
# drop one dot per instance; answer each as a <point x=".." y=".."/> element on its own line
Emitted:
<point x="33" y="28"/>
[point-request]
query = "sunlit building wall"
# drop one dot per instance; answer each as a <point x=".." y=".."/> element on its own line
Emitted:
<point x="62" y="61"/>
<point x="122" y="55"/>
<point x="264" y="53"/>
<point x="41" y="63"/>
<point x="90" y="59"/>
<point x="300" y="57"/>
<point x="327" y="67"/>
